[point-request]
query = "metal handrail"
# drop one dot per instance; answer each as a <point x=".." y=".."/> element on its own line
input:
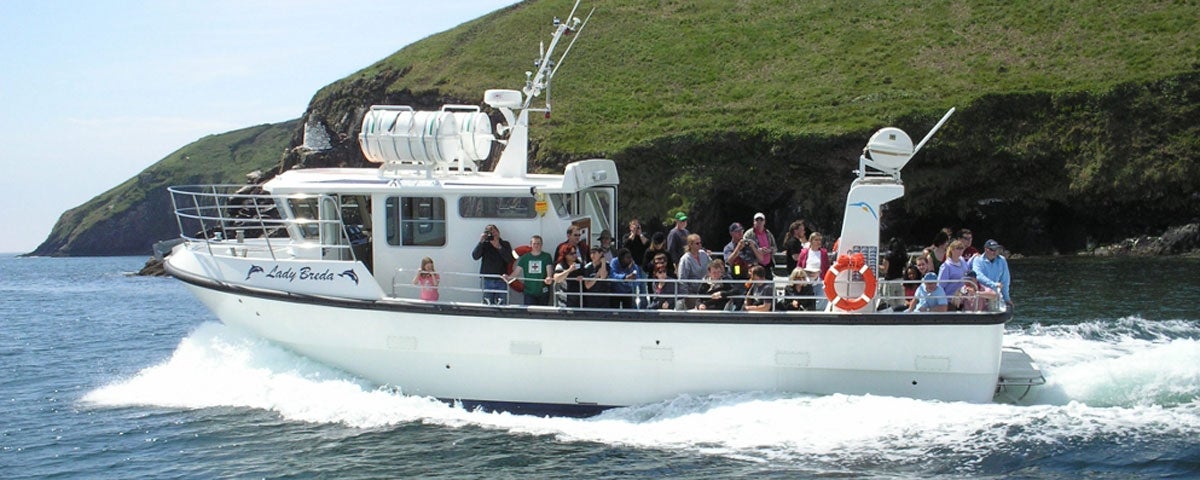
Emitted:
<point x="402" y="287"/>
<point x="213" y="212"/>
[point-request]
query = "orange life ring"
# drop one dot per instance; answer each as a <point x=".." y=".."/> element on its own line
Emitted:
<point x="516" y="284"/>
<point x="852" y="263"/>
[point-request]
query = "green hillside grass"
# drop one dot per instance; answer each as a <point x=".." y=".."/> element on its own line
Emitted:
<point x="142" y="205"/>
<point x="1072" y="115"/>
<point x="646" y="69"/>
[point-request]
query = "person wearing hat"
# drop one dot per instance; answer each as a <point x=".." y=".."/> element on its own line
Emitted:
<point x="929" y="297"/>
<point x="606" y="241"/>
<point x="658" y="245"/>
<point x="677" y="239"/>
<point x="991" y="270"/>
<point x="739" y="252"/>
<point x="764" y="241"/>
<point x="596" y="285"/>
<point x="973" y="297"/>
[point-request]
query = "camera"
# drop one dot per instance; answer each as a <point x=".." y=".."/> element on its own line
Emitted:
<point x="488" y="235"/>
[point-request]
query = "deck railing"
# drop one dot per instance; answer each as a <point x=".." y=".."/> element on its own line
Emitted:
<point x="230" y="220"/>
<point x="780" y="297"/>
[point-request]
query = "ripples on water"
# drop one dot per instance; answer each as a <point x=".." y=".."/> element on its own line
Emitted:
<point x="132" y="377"/>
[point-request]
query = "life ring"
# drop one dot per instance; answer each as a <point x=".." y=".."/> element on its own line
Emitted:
<point x="850" y="263"/>
<point x="515" y="283"/>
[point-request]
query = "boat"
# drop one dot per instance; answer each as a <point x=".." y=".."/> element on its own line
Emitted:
<point x="322" y="262"/>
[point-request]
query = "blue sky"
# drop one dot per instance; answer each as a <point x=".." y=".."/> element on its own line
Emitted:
<point x="93" y="92"/>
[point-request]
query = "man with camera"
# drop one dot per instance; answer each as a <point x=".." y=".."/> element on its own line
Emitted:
<point x="495" y="255"/>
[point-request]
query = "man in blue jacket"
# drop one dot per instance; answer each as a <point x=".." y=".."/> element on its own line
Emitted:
<point x="626" y="272"/>
<point x="992" y="270"/>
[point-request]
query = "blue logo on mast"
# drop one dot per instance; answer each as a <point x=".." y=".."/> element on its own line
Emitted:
<point x="866" y="208"/>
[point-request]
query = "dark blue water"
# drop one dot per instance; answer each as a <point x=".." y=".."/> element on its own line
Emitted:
<point x="104" y="375"/>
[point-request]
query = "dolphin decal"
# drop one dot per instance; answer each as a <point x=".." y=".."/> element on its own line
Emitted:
<point x="253" y="269"/>
<point x="866" y="208"/>
<point x="350" y="273"/>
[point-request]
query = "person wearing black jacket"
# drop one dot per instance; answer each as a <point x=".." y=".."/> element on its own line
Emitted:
<point x="494" y="255"/>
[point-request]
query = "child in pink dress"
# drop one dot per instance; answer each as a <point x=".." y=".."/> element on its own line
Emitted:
<point x="428" y="279"/>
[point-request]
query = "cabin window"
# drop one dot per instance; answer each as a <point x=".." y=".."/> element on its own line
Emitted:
<point x="564" y="204"/>
<point x="306" y="210"/>
<point x="416" y="221"/>
<point x="496" y="207"/>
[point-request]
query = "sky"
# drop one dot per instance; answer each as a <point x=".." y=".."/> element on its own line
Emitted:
<point x="93" y="92"/>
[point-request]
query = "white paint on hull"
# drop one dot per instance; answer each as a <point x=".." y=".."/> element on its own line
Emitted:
<point x="614" y="363"/>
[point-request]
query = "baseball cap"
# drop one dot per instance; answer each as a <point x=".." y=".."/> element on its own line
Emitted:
<point x="930" y="277"/>
<point x="681" y="216"/>
<point x="992" y="245"/>
<point x="735" y="227"/>
<point x="760" y="215"/>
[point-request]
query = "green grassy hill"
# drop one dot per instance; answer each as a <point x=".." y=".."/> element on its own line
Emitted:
<point x="128" y="219"/>
<point x="647" y="69"/>
<point x="1078" y="121"/>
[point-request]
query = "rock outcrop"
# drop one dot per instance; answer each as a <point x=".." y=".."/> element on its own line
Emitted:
<point x="1183" y="239"/>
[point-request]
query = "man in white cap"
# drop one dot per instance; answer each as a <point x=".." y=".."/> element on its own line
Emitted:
<point x="991" y="270"/>
<point x="764" y="240"/>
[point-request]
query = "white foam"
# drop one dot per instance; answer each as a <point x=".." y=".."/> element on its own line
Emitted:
<point x="217" y="366"/>
<point x="1128" y="362"/>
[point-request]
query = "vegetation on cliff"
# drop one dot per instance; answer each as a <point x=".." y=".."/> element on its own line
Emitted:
<point x="128" y="219"/>
<point x="1078" y="122"/>
<point x="1070" y="114"/>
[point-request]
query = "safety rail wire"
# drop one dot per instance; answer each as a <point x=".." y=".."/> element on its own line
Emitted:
<point x="403" y="288"/>
<point x="221" y="214"/>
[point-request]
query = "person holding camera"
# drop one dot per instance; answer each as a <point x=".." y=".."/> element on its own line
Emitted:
<point x="494" y="255"/>
<point x="427" y="279"/>
<point x="739" y="252"/>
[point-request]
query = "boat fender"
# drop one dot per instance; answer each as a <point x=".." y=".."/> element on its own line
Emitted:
<point x="857" y="263"/>
<point x="515" y="283"/>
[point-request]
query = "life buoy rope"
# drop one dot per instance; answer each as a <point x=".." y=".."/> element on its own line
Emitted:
<point x="850" y="263"/>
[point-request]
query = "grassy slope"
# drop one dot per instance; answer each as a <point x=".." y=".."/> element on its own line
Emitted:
<point x="646" y="69"/>
<point x="782" y="87"/>
<point x="142" y="204"/>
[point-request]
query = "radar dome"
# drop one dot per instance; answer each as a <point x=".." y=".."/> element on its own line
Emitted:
<point x="890" y="148"/>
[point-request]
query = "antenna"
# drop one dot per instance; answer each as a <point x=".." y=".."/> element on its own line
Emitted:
<point x="572" y="44"/>
<point x="931" y="132"/>
<point x="546" y="66"/>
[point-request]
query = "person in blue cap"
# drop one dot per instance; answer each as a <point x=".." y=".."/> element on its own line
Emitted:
<point x="929" y="297"/>
<point x="991" y="270"/>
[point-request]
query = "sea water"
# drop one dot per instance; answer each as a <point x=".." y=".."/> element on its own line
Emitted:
<point x="106" y="375"/>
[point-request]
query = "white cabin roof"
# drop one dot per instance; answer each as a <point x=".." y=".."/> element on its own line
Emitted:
<point x="577" y="176"/>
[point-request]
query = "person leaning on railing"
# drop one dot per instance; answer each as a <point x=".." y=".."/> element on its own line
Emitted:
<point x="596" y="286"/>
<point x="929" y="297"/>
<point x="760" y="295"/>
<point x="718" y="287"/>
<point x="664" y="290"/>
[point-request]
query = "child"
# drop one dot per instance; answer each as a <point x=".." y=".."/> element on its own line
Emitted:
<point x="428" y="280"/>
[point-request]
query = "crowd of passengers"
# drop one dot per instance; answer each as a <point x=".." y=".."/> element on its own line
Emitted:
<point x="673" y="271"/>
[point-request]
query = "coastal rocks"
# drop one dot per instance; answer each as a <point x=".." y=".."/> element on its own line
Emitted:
<point x="153" y="268"/>
<point x="1176" y="240"/>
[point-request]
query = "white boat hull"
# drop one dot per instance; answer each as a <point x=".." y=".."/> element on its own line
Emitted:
<point x="544" y="357"/>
